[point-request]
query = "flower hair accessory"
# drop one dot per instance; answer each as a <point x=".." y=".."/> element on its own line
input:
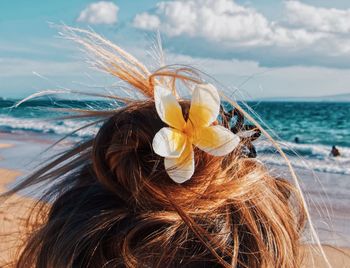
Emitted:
<point x="175" y="143"/>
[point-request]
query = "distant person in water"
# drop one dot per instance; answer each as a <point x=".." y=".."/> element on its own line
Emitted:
<point x="296" y="140"/>
<point x="335" y="152"/>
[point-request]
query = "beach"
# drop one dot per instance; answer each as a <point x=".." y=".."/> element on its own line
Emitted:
<point x="14" y="164"/>
<point x="14" y="211"/>
<point x="11" y="213"/>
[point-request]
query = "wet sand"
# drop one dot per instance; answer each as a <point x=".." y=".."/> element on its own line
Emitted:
<point x="17" y="208"/>
<point x="13" y="212"/>
<point x="338" y="257"/>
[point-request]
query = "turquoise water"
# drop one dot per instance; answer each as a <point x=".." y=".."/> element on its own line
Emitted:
<point x="312" y="123"/>
<point x="318" y="126"/>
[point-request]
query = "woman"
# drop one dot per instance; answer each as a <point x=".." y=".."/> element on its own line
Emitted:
<point x="164" y="183"/>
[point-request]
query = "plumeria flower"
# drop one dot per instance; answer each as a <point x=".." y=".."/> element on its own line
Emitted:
<point x="175" y="143"/>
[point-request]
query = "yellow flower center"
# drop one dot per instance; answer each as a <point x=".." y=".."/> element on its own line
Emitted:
<point x="188" y="130"/>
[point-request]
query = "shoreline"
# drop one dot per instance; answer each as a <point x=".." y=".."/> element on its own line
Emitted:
<point x="18" y="207"/>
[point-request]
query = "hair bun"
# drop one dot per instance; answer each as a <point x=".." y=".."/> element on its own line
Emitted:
<point x="125" y="163"/>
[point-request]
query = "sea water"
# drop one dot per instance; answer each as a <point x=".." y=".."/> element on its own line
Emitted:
<point x="317" y="126"/>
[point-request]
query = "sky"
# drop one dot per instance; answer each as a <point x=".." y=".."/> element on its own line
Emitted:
<point x="266" y="49"/>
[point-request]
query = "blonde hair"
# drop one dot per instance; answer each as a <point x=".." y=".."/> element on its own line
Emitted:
<point x="114" y="205"/>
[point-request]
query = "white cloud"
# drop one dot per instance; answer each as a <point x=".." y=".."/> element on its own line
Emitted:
<point x="232" y="25"/>
<point x="254" y="81"/>
<point x="146" y="21"/>
<point x="102" y="12"/>
<point x="329" y="20"/>
<point x="258" y="81"/>
<point x="212" y="19"/>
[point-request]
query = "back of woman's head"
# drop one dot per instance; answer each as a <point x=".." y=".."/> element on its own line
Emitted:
<point x="115" y="205"/>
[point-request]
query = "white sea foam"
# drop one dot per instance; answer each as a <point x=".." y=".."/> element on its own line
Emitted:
<point x="314" y="156"/>
<point x="39" y="125"/>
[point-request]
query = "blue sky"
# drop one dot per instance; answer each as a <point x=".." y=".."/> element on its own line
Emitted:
<point x="265" y="48"/>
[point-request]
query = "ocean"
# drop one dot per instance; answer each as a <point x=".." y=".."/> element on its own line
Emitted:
<point x="317" y="125"/>
<point x="325" y="180"/>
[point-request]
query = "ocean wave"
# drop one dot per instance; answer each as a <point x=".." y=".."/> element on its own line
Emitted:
<point x="59" y="127"/>
<point x="314" y="156"/>
<point x="311" y="156"/>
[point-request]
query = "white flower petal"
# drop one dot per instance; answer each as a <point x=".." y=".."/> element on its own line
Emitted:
<point x="216" y="140"/>
<point x="169" y="142"/>
<point x="205" y="105"/>
<point x="168" y="108"/>
<point x="181" y="169"/>
<point x="246" y="133"/>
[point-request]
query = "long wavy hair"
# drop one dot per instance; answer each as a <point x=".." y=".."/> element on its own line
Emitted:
<point x="111" y="203"/>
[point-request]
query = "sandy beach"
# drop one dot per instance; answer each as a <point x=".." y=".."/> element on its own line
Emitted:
<point x="17" y="208"/>
<point x="2" y="146"/>
<point x="14" y="213"/>
<point x="11" y="213"/>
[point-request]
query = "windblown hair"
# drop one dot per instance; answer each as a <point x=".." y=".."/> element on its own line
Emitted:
<point x="112" y="203"/>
